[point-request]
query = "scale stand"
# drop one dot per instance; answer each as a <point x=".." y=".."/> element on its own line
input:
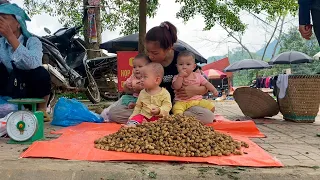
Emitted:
<point x="25" y="127"/>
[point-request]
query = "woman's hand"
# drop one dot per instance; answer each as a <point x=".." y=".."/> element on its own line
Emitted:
<point x="305" y="31"/>
<point x="5" y="29"/>
<point x="190" y="91"/>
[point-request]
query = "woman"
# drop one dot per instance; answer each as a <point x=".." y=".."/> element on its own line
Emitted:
<point x="305" y="27"/>
<point x="21" y="71"/>
<point x="159" y="46"/>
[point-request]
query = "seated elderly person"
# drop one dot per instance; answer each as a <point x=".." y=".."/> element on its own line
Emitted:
<point x="21" y="71"/>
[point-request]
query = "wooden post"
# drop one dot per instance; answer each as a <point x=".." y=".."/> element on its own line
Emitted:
<point x="142" y="24"/>
<point x="93" y="46"/>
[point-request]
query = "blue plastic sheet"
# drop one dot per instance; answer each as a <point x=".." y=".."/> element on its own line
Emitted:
<point x="5" y="107"/>
<point x="70" y="112"/>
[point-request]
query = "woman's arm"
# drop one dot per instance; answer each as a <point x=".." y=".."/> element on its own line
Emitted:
<point x="29" y="57"/>
<point x="304" y="11"/>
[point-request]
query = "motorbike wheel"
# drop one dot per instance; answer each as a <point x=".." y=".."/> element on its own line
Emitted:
<point x="92" y="92"/>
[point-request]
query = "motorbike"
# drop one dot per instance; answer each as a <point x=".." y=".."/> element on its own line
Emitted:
<point x="65" y="57"/>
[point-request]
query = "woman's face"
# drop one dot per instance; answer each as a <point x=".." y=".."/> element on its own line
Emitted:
<point x="12" y="22"/>
<point x="155" y="52"/>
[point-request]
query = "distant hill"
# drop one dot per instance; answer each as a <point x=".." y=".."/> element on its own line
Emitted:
<point x="236" y="55"/>
<point x="269" y="51"/>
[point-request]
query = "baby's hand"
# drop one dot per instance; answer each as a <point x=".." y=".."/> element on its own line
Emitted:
<point x="129" y="85"/>
<point x="183" y="74"/>
<point x="215" y="93"/>
<point x="155" y="111"/>
<point x="137" y="87"/>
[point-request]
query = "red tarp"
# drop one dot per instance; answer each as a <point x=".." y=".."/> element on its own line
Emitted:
<point x="77" y="143"/>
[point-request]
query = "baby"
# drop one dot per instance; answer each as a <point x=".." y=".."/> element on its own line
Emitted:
<point x="153" y="101"/>
<point x="133" y="83"/>
<point x="186" y="77"/>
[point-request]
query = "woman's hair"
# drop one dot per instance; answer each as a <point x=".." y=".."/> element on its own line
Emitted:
<point x="165" y="34"/>
<point x="197" y="67"/>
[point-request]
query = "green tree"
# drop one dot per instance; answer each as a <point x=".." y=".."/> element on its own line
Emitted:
<point x="123" y="14"/>
<point x="111" y="14"/>
<point x="227" y="12"/>
<point x="292" y="41"/>
<point x="244" y="77"/>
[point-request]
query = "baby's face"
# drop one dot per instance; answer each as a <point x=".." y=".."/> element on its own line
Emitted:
<point x="186" y="64"/>
<point x="138" y="64"/>
<point x="148" y="78"/>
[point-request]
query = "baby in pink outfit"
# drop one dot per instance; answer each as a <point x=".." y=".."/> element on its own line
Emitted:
<point x="133" y="83"/>
<point x="186" y="77"/>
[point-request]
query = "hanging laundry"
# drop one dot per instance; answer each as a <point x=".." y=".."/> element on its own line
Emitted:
<point x="282" y="84"/>
<point x="267" y="82"/>
<point x="93" y="38"/>
<point x="258" y="82"/>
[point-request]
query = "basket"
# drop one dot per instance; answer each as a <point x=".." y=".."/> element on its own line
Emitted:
<point x="254" y="103"/>
<point x="302" y="99"/>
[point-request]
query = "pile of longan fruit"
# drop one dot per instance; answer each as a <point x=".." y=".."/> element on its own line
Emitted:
<point x="172" y="136"/>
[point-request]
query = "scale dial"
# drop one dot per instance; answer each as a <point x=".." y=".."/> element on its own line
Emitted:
<point x="21" y="125"/>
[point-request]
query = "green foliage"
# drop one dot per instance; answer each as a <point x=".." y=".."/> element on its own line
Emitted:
<point x="114" y="13"/>
<point x="227" y="12"/>
<point x="241" y="78"/>
<point x="245" y="77"/>
<point x="293" y="41"/>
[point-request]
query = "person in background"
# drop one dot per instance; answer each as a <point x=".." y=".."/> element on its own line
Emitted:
<point x="305" y="27"/>
<point x="21" y="58"/>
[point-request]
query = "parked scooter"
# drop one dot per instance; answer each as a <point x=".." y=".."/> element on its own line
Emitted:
<point x="65" y="57"/>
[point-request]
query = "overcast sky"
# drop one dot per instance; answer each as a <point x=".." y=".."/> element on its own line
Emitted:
<point x="191" y="32"/>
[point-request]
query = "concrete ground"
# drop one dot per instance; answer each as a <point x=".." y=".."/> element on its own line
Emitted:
<point x="295" y="145"/>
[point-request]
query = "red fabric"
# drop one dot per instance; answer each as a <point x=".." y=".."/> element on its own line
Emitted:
<point x="139" y="118"/>
<point x="267" y="82"/>
<point x="77" y="143"/>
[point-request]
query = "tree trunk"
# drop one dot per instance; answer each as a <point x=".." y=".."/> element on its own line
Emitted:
<point x="267" y="45"/>
<point x="238" y="40"/>
<point x="142" y="24"/>
<point x="93" y="48"/>
<point x="279" y="38"/>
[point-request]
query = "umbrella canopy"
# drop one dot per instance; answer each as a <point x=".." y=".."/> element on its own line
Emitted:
<point x="214" y="74"/>
<point x="291" y="57"/>
<point x="130" y="43"/>
<point x="247" y="64"/>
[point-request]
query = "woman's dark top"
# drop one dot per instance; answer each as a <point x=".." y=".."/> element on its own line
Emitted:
<point x="169" y="72"/>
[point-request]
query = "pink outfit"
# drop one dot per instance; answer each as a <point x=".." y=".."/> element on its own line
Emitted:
<point x="267" y="82"/>
<point x="193" y="79"/>
<point x="132" y="82"/>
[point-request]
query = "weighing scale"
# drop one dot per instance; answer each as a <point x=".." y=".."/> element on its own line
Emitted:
<point x="23" y="126"/>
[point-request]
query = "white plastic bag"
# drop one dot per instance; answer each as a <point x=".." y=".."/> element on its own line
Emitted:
<point x="3" y="125"/>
